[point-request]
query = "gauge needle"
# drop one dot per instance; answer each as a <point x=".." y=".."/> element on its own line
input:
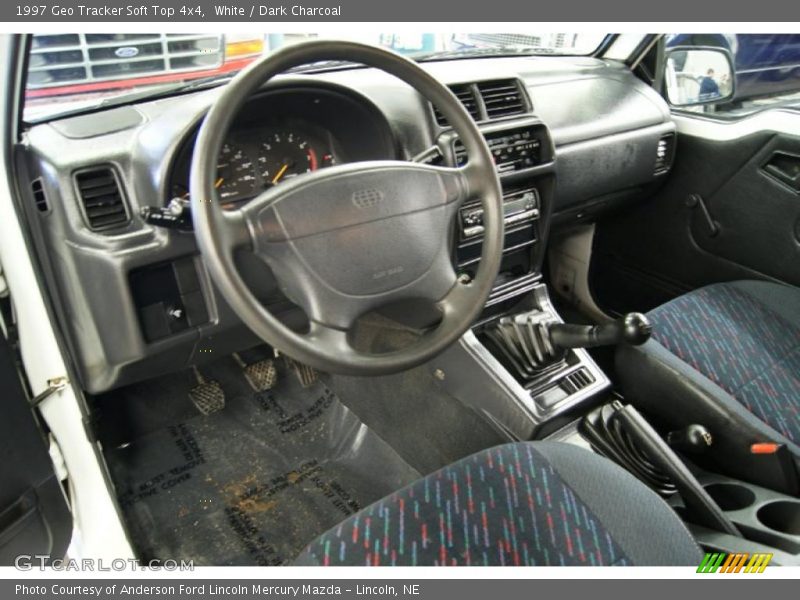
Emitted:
<point x="280" y="173"/>
<point x="218" y="182"/>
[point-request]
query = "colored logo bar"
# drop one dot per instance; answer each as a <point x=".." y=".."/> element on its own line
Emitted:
<point x="738" y="562"/>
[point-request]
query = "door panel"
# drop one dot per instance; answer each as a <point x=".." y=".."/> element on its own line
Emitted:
<point x="750" y="228"/>
<point x="758" y="216"/>
<point x="34" y="516"/>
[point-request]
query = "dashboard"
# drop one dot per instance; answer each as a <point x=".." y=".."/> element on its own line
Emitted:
<point x="572" y="137"/>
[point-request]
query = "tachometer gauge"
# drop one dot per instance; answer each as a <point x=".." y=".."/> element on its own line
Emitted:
<point x="236" y="174"/>
<point x="328" y="160"/>
<point x="283" y="155"/>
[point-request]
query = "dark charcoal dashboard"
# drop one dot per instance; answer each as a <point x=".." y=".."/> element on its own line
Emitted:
<point x="571" y="138"/>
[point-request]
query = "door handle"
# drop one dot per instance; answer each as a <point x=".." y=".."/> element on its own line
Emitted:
<point x="785" y="168"/>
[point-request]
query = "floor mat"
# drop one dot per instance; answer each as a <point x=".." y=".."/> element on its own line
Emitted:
<point x="408" y="410"/>
<point x="253" y="483"/>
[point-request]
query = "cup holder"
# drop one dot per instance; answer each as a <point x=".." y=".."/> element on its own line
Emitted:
<point x="731" y="496"/>
<point x="782" y="515"/>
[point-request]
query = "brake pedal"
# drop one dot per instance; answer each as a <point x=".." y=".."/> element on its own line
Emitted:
<point x="261" y="375"/>
<point x="307" y="376"/>
<point x="207" y="396"/>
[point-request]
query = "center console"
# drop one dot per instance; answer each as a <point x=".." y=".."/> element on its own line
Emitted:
<point x="505" y="367"/>
<point x="768" y="521"/>
<point x="525" y="161"/>
<point x="526" y="370"/>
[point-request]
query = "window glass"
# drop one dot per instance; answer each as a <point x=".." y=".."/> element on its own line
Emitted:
<point x="70" y="72"/>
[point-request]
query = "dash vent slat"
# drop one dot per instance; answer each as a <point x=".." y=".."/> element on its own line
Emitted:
<point x="39" y="197"/>
<point x="101" y="196"/>
<point x="488" y="100"/>
<point x="665" y="152"/>
<point x="466" y="95"/>
<point x="502" y="98"/>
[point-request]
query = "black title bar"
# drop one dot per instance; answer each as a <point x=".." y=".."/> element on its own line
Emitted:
<point x="455" y="11"/>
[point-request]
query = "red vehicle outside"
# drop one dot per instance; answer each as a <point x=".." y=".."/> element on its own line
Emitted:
<point x="70" y="64"/>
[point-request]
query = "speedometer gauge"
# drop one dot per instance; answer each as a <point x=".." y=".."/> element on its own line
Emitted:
<point x="283" y="155"/>
<point x="236" y="174"/>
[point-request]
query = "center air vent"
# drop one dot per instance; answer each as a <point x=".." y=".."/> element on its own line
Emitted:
<point x="665" y="152"/>
<point x="101" y="196"/>
<point x="502" y="98"/>
<point x="466" y="95"/>
<point x="487" y="100"/>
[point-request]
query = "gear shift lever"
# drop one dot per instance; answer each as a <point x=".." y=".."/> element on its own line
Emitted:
<point x="533" y="342"/>
<point x="633" y="329"/>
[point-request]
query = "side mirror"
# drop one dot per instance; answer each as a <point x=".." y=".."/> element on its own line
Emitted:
<point x="696" y="76"/>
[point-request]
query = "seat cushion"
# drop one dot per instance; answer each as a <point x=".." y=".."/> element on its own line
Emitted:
<point x="518" y="504"/>
<point x="745" y="337"/>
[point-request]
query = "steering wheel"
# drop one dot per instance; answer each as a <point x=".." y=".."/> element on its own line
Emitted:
<point x="348" y="239"/>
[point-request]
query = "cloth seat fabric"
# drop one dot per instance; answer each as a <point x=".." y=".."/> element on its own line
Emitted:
<point x="527" y="503"/>
<point x="726" y="356"/>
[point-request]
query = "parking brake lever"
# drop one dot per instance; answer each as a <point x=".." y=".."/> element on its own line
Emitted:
<point x="633" y="329"/>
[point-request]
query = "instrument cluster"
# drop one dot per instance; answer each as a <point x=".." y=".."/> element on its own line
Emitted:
<point x="284" y="133"/>
<point x="253" y="160"/>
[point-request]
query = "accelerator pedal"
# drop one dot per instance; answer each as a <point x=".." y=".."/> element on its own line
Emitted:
<point x="207" y="396"/>
<point x="261" y="375"/>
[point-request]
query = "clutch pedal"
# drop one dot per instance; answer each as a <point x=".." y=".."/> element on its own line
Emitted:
<point x="261" y="375"/>
<point x="207" y="396"/>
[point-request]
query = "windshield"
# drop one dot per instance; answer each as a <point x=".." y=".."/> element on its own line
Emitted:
<point x="72" y="72"/>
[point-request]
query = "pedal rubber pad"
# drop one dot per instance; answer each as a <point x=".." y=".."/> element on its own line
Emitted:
<point x="261" y="375"/>
<point x="307" y="376"/>
<point x="207" y="396"/>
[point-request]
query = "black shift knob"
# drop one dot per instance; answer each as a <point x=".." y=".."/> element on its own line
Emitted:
<point x="633" y="329"/>
<point x="636" y="329"/>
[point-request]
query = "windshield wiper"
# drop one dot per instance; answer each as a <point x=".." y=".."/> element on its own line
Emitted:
<point x="326" y="65"/>
<point x="478" y="52"/>
<point x="137" y="95"/>
<point x="180" y="87"/>
<point x="168" y="89"/>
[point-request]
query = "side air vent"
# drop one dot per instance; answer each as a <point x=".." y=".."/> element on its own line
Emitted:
<point x="665" y="153"/>
<point x="466" y="95"/>
<point x="101" y="196"/>
<point x="39" y="197"/>
<point x="502" y="98"/>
